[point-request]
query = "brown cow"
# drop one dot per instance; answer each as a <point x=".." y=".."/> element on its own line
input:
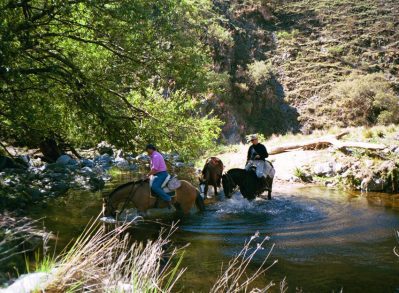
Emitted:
<point x="211" y="175"/>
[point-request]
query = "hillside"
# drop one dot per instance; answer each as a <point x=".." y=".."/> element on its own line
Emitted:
<point x="307" y="64"/>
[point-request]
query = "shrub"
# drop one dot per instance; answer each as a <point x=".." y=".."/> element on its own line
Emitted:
<point x="336" y="50"/>
<point x="288" y="35"/>
<point x="367" y="133"/>
<point x="363" y="100"/>
<point x="259" y="71"/>
<point x="221" y="34"/>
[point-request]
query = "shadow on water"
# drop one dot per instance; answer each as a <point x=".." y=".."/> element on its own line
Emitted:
<point x="325" y="239"/>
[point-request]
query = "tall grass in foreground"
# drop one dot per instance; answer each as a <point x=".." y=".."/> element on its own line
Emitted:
<point x="234" y="278"/>
<point x="101" y="261"/>
<point x="16" y="234"/>
<point x="109" y="261"/>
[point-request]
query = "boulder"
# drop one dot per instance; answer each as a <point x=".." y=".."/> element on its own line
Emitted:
<point x="104" y="160"/>
<point x="86" y="163"/>
<point x="36" y="162"/>
<point x="324" y="169"/>
<point x="143" y="157"/>
<point x="372" y="184"/>
<point x="34" y="282"/>
<point x="96" y="183"/>
<point x="60" y="187"/>
<point x="121" y="163"/>
<point x="8" y="163"/>
<point x="65" y="160"/>
<point x="339" y="168"/>
<point x="120" y="154"/>
<point x="87" y="171"/>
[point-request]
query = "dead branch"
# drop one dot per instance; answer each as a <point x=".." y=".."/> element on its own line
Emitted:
<point x="325" y="142"/>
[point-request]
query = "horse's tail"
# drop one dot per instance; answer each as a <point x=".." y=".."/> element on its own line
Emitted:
<point x="199" y="202"/>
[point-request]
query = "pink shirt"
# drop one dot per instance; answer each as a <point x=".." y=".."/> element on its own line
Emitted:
<point x="157" y="162"/>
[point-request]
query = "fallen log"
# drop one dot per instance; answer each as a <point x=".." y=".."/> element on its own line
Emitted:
<point x="325" y="142"/>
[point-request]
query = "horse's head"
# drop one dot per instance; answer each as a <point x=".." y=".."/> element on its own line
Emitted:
<point x="228" y="185"/>
<point x="108" y="210"/>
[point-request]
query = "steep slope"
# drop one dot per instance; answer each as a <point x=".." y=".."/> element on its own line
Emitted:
<point x="285" y="58"/>
<point x="320" y="43"/>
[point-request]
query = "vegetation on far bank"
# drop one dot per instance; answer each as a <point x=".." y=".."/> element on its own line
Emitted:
<point x="350" y="168"/>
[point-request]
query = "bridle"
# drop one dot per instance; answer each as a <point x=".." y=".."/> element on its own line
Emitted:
<point x="128" y="199"/>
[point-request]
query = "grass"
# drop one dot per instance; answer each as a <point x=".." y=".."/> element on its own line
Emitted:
<point x="115" y="172"/>
<point x="298" y="172"/>
<point x="107" y="261"/>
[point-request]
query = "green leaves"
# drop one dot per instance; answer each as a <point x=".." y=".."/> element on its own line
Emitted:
<point x="81" y="70"/>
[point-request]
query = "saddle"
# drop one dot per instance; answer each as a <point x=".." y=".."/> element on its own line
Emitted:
<point x="170" y="184"/>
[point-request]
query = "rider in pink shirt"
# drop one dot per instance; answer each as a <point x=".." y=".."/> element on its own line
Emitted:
<point x="159" y="171"/>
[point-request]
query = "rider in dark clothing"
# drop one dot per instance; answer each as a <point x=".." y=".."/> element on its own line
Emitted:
<point x="256" y="151"/>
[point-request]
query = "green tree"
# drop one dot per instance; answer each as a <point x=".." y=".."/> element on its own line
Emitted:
<point x="68" y="68"/>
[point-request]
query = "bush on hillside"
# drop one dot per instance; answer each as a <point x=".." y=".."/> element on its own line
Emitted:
<point x="364" y="100"/>
<point x="259" y="71"/>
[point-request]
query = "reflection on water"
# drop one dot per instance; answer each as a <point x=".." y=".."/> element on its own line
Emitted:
<point x="325" y="239"/>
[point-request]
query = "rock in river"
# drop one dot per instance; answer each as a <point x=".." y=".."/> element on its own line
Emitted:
<point x="65" y="160"/>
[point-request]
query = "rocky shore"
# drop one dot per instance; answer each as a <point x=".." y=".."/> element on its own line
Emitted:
<point x="29" y="179"/>
<point x="351" y="168"/>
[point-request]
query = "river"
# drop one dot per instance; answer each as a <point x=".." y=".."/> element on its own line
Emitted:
<point x="325" y="240"/>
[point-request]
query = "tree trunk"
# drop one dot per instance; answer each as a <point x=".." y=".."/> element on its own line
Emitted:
<point x="50" y="150"/>
<point x="325" y="142"/>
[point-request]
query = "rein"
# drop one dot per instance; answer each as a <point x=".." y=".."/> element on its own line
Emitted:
<point x="130" y="196"/>
<point x="233" y="189"/>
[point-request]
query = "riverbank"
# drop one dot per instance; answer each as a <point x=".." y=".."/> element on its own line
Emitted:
<point x="27" y="179"/>
<point x="352" y="168"/>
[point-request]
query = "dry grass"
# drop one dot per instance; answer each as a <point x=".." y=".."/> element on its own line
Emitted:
<point x="101" y="261"/>
<point x="234" y="278"/>
<point x="109" y="261"/>
<point x="15" y="232"/>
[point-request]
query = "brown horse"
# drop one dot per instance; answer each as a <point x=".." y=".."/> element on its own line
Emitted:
<point x="211" y="175"/>
<point x="138" y="194"/>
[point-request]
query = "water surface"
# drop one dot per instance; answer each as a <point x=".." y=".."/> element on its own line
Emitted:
<point x="325" y="240"/>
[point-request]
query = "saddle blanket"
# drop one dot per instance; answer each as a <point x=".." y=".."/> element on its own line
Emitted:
<point x="262" y="168"/>
<point x="167" y="185"/>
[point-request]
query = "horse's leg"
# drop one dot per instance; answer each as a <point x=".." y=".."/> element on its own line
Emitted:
<point x="215" y="188"/>
<point x="269" y="191"/>
<point x="206" y="189"/>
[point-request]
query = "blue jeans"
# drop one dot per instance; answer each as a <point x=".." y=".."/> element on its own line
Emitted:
<point x="159" y="178"/>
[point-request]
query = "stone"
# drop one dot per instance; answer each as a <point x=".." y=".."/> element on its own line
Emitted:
<point x="60" y="186"/>
<point x="339" y="168"/>
<point x="121" y="163"/>
<point x="104" y="160"/>
<point x="34" y="282"/>
<point x="142" y="157"/>
<point x="34" y="193"/>
<point x="372" y="184"/>
<point x="7" y="163"/>
<point x="96" y="183"/>
<point x="179" y="164"/>
<point x="324" y="169"/>
<point x="86" y="163"/>
<point x="119" y="154"/>
<point x="86" y="171"/>
<point x="369" y="163"/>
<point x="65" y="160"/>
